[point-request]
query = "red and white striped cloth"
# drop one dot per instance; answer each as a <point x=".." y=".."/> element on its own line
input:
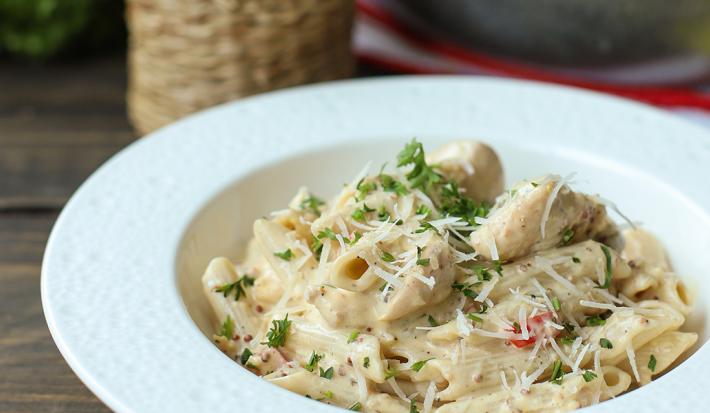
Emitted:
<point x="387" y="36"/>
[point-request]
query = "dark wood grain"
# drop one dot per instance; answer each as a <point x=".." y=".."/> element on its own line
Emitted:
<point x="58" y="123"/>
<point x="33" y="375"/>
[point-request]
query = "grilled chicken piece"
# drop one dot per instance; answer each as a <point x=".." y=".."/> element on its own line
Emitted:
<point x="515" y="226"/>
<point x="474" y="166"/>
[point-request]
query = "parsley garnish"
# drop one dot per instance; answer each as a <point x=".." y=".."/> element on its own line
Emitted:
<point x="285" y="255"/>
<point x="567" y="340"/>
<point x="355" y="407"/>
<point x="466" y="289"/>
<point x="276" y="337"/>
<point x="359" y="214"/>
<point x="423" y="210"/>
<point x="557" y="373"/>
<point x="326" y="374"/>
<point x="313" y="203"/>
<point x="390" y="184"/>
<point x="607" y="271"/>
<point x="453" y="203"/>
<point x="556" y="303"/>
<point x="595" y="320"/>
<point x="432" y="321"/>
<point x="589" y="376"/>
<point x="353" y="336"/>
<point x="382" y="214"/>
<point x="422" y="175"/>
<point x="576" y="260"/>
<point x="389" y="373"/>
<point x="383" y="286"/>
<point x="425" y="226"/>
<point x="474" y="317"/>
<point x="245" y="356"/>
<point x="364" y="188"/>
<point x="356" y="238"/>
<point x="227" y="330"/>
<point x="387" y="257"/>
<point x="419" y="364"/>
<point x="412" y="407"/>
<point x="237" y="286"/>
<point x="605" y="343"/>
<point x="366" y="362"/>
<point x="422" y="261"/>
<point x="327" y="233"/>
<point x="652" y="363"/>
<point x="328" y="395"/>
<point x="313" y="361"/>
<point x="567" y="236"/>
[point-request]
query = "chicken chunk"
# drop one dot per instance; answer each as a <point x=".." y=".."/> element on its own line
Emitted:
<point x="519" y="225"/>
<point x="474" y="166"/>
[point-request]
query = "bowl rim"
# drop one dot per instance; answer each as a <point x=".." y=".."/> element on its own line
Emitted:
<point x="148" y="177"/>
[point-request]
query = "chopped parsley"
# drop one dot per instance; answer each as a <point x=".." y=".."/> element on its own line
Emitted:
<point x="389" y="184"/>
<point x="382" y="214"/>
<point x="327" y="233"/>
<point x="576" y="260"/>
<point x="227" y="330"/>
<point x="422" y="261"/>
<point x="353" y="336"/>
<point x="557" y="373"/>
<point x="244" y="359"/>
<point x="364" y="188"/>
<point x="556" y="303"/>
<point x="317" y="247"/>
<point x="359" y="214"/>
<point x="383" y="286"/>
<point x="356" y="237"/>
<point x="313" y="361"/>
<point x="589" y="376"/>
<point x="328" y="394"/>
<point x="567" y="236"/>
<point x="285" y="255"/>
<point x="276" y="337"/>
<point x="474" y="317"/>
<point x="466" y="288"/>
<point x="366" y="362"/>
<point x="652" y="363"/>
<point x="237" y="287"/>
<point x="454" y="203"/>
<point x="389" y="373"/>
<point x="413" y="407"/>
<point x="387" y="257"/>
<point x="419" y="364"/>
<point x="483" y="273"/>
<point x="605" y="343"/>
<point x="595" y="320"/>
<point x="607" y="270"/>
<point x="423" y="210"/>
<point x="432" y="321"/>
<point x="425" y="226"/>
<point x="422" y="175"/>
<point x="326" y="374"/>
<point x="568" y="339"/>
<point x="312" y="203"/>
<point x="355" y="407"/>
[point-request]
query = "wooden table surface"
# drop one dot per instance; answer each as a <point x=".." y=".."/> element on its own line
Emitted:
<point x="58" y="123"/>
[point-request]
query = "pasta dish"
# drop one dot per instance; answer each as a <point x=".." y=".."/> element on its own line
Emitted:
<point x="427" y="287"/>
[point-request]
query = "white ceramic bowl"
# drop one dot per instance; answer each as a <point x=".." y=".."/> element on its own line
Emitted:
<point x="120" y="280"/>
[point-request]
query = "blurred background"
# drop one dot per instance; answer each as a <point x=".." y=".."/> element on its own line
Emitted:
<point x="81" y="79"/>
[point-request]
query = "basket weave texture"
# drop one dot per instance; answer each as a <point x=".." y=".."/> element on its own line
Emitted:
<point x="186" y="55"/>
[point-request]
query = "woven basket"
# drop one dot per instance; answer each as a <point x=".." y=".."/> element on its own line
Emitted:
<point x="186" y="55"/>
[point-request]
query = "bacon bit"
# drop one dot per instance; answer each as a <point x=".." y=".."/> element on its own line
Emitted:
<point x="535" y="326"/>
<point x="259" y="308"/>
<point x="248" y="338"/>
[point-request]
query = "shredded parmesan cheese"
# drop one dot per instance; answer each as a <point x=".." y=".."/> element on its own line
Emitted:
<point x="397" y="390"/>
<point x="632" y="361"/>
<point x="462" y="324"/>
<point x="481" y="297"/>
<point x="550" y="200"/>
<point x="429" y="397"/>
<point x="545" y="266"/>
